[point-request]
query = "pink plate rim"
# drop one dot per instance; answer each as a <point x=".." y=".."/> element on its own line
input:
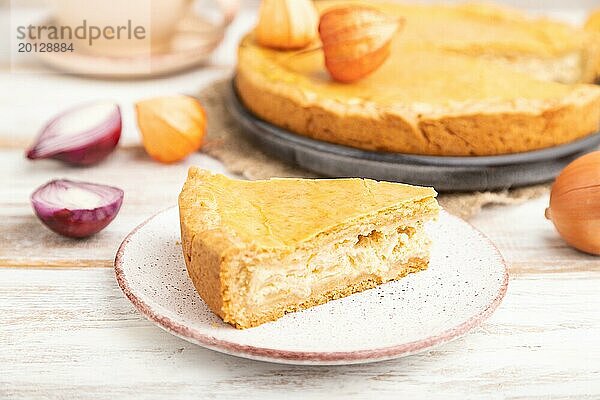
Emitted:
<point x="301" y="357"/>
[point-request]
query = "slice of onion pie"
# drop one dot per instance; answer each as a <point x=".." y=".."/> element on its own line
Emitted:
<point x="257" y="250"/>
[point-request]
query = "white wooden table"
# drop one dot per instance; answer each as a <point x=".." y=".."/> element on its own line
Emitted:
<point x="67" y="331"/>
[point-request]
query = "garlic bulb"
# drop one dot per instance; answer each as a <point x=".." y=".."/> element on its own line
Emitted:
<point x="575" y="203"/>
<point x="356" y="40"/>
<point x="286" y="24"/>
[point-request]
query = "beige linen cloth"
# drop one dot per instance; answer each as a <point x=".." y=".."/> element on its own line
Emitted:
<point x="226" y="143"/>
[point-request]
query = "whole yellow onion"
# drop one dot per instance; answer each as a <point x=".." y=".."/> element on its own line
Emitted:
<point x="575" y="203"/>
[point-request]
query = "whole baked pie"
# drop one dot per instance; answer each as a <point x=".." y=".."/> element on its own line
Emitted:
<point x="461" y="80"/>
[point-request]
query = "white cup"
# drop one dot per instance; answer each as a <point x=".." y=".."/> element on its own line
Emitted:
<point x="126" y="27"/>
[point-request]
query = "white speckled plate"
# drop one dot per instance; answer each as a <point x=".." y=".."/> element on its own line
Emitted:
<point x="466" y="281"/>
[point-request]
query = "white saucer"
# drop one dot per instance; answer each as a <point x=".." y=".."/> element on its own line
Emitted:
<point x="466" y="281"/>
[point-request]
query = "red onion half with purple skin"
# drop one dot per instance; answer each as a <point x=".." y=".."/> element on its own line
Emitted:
<point x="81" y="136"/>
<point x="76" y="209"/>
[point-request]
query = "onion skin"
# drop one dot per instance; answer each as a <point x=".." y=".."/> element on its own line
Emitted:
<point x="575" y="204"/>
<point x="90" y="153"/>
<point x="76" y="223"/>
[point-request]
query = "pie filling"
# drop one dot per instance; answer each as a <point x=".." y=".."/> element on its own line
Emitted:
<point x="377" y="253"/>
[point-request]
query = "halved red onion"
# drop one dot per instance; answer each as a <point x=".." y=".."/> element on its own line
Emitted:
<point x="76" y="209"/>
<point x="81" y="136"/>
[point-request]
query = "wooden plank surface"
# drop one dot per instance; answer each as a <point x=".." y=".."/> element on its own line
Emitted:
<point x="71" y="333"/>
<point x="67" y="331"/>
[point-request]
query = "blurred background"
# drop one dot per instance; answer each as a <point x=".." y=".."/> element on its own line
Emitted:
<point x="31" y="92"/>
